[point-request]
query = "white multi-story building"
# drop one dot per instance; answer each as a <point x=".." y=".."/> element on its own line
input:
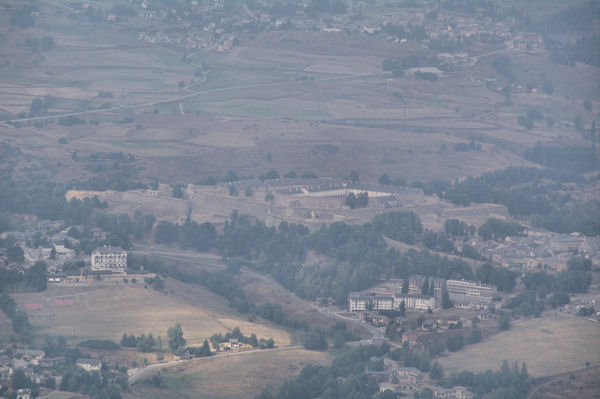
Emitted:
<point x="361" y="301"/>
<point x="357" y="302"/>
<point x="109" y="258"/>
<point x="470" y="293"/>
<point x="415" y="302"/>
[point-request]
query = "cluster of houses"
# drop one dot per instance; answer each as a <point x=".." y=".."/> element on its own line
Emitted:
<point x="425" y="293"/>
<point x="37" y="367"/>
<point x="45" y="240"/>
<point x="408" y="380"/>
<point x="537" y="246"/>
<point x="208" y="25"/>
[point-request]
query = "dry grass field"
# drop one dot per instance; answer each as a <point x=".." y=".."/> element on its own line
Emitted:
<point x="581" y="384"/>
<point x="268" y="102"/>
<point x="548" y="345"/>
<point x="106" y="311"/>
<point x="242" y="376"/>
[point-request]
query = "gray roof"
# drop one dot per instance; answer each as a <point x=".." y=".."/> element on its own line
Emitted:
<point x="107" y="249"/>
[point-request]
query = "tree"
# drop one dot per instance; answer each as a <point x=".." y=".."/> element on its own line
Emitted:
<point x="437" y="372"/>
<point x="475" y="321"/>
<point x="230" y="176"/>
<point x="385" y="179"/>
<point x="474" y="337"/>
<point x="205" y="350"/>
<point x="525" y="121"/>
<point x="455" y="342"/>
<point x="291" y="175"/>
<point x="351" y="200"/>
<point x="425" y="288"/>
<point x="426" y="393"/>
<point x="21" y="324"/>
<point x="176" y="340"/>
<point x="504" y="322"/>
<point x="271" y="175"/>
<point x="587" y="104"/>
<point x="446" y="303"/>
<point x="20" y="380"/>
<point x="177" y="191"/>
<point x="315" y="341"/>
<point x="547" y="87"/>
<point x="353" y="176"/>
<point x="145" y="343"/>
<point x="165" y="232"/>
<point x="405" y="286"/>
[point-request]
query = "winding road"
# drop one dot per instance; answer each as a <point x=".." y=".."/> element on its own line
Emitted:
<point x="216" y="261"/>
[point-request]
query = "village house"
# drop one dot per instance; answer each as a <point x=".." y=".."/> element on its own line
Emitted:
<point x="24" y="393"/>
<point x="109" y="258"/>
<point x="63" y="253"/>
<point x="5" y="361"/>
<point x="89" y="365"/>
<point x="409" y="379"/>
<point x="453" y="393"/>
<point x="379" y="320"/>
<point x="410" y="337"/>
<point x="30" y="355"/>
<point x="50" y="362"/>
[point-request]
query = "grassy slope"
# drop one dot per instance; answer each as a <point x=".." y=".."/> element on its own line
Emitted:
<point x="108" y="310"/>
<point x="548" y="345"/>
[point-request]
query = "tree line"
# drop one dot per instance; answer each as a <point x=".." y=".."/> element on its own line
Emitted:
<point x="358" y="254"/>
<point x="526" y="192"/>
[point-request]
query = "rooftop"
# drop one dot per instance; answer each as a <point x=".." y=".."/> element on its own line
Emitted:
<point x="107" y="249"/>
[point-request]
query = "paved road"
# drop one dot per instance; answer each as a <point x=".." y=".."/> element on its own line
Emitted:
<point x="136" y="374"/>
<point x="188" y="96"/>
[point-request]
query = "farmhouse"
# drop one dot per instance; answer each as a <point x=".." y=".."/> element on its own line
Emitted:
<point x="109" y="258"/>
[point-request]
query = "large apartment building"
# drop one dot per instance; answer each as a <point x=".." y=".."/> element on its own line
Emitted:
<point x="469" y="293"/>
<point x="417" y="281"/>
<point x="462" y="293"/>
<point x="415" y="301"/>
<point x="361" y="301"/>
<point x="109" y="258"/>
